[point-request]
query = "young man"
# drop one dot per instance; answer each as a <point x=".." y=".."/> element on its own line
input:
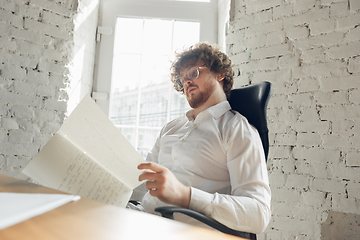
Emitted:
<point x="211" y="159"/>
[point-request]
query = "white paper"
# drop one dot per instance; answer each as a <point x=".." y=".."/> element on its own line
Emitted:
<point x="18" y="207"/>
<point x="63" y="166"/>
<point x="90" y="130"/>
<point x="88" y="157"/>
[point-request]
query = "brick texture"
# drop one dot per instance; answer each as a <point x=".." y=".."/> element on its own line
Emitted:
<point x="38" y="41"/>
<point x="309" y="50"/>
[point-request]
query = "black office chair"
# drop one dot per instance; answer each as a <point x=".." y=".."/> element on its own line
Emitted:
<point x="251" y="101"/>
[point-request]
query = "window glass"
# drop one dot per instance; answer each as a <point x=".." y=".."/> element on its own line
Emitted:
<point x="185" y="33"/>
<point x="129" y="35"/>
<point x="157" y="38"/>
<point x="142" y="98"/>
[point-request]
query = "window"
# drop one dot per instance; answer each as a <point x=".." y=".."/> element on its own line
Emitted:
<point x="143" y="49"/>
<point x="134" y="62"/>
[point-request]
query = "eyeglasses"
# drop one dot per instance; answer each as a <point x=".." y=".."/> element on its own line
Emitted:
<point x="191" y="74"/>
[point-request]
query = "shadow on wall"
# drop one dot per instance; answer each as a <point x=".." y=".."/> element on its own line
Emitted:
<point x="341" y="225"/>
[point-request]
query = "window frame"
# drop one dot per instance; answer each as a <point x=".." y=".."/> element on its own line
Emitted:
<point x="109" y="10"/>
<point x="203" y="12"/>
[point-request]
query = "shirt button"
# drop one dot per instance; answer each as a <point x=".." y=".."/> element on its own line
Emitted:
<point x="182" y="139"/>
<point x="175" y="158"/>
<point x="194" y="125"/>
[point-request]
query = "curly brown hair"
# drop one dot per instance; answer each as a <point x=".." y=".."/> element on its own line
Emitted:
<point x="217" y="61"/>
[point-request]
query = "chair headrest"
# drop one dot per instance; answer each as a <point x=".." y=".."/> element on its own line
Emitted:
<point x="251" y="102"/>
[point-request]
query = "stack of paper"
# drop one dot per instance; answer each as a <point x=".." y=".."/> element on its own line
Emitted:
<point x="18" y="207"/>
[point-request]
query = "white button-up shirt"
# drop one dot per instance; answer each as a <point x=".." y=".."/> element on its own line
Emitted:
<point x="220" y="156"/>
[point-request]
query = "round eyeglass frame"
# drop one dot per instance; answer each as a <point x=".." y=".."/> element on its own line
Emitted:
<point x="179" y="83"/>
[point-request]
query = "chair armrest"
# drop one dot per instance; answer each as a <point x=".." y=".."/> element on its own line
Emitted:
<point x="168" y="212"/>
<point x="134" y="202"/>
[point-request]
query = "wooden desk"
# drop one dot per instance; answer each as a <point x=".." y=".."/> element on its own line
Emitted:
<point x="87" y="219"/>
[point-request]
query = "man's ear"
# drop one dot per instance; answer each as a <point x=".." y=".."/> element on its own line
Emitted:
<point x="220" y="77"/>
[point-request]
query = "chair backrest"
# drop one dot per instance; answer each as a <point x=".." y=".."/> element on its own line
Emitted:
<point x="251" y="102"/>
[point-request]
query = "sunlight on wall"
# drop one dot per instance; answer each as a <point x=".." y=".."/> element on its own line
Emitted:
<point x="82" y="64"/>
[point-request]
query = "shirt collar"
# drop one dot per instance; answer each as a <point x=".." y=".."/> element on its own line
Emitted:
<point x="215" y="111"/>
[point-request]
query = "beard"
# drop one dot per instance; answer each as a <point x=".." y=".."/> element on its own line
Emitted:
<point x="198" y="99"/>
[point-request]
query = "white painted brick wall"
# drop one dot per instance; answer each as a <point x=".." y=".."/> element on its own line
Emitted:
<point x="39" y="40"/>
<point x="310" y="51"/>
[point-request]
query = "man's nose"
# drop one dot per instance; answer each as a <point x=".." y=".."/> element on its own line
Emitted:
<point x="187" y="81"/>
